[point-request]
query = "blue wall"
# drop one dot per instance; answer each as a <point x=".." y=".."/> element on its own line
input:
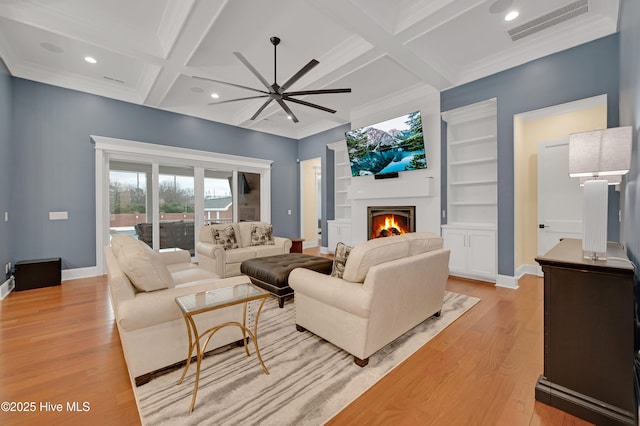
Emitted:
<point x="630" y="116"/>
<point x="316" y="146"/>
<point x="6" y="99"/>
<point x="584" y="71"/>
<point x="53" y="166"/>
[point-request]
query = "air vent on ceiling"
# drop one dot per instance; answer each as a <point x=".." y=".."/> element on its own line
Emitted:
<point x="556" y="17"/>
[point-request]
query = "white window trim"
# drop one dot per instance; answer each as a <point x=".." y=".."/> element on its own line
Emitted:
<point x="121" y="149"/>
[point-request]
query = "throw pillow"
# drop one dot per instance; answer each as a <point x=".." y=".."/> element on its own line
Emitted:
<point x="340" y="259"/>
<point x="261" y="234"/>
<point x="226" y="237"/>
<point x="144" y="267"/>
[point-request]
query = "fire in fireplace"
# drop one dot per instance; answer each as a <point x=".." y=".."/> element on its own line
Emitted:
<point x="386" y="221"/>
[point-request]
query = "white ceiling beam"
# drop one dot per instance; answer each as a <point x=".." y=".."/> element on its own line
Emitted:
<point x="203" y="16"/>
<point x="353" y="19"/>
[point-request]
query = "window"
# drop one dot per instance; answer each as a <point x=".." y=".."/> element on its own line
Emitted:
<point x="164" y="195"/>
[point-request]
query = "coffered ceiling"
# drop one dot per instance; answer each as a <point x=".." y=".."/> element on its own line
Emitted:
<point x="147" y="51"/>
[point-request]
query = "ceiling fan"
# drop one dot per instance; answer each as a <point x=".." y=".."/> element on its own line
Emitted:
<point x="275" y="92"/>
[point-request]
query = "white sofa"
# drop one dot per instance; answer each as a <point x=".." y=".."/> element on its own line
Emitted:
<point x="213" y="256"/>
<point x="389" y="285"/>
<point x="151" y="327"/>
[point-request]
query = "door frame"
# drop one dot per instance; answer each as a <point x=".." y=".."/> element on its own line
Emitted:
<point x="314" y="243"/>
<point x="581" y="104"/>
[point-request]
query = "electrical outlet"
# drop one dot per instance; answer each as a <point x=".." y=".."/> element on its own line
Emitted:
<point x="6" y="268"/>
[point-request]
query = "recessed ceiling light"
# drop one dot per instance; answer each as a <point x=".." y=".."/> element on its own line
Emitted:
<point x="215" y="95"/>
<point x="511" y="15"/>
<point x="90" y="59"/>
<point x="288" y="117"/>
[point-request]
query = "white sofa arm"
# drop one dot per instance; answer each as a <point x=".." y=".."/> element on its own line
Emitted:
<point x="285" y="243"/>
<point x="175" y="256"/>
<point x="211" y="257"/>
<point x="345" y="295"/>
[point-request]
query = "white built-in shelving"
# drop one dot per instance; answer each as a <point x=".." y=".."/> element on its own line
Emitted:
<point x="472" y="189"/>
<point x="339" y="229"/>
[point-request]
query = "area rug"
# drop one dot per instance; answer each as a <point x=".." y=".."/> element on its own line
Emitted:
<point x="310" y="379"/>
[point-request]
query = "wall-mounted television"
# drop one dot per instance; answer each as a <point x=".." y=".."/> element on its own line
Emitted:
<point x="390" y="146"/>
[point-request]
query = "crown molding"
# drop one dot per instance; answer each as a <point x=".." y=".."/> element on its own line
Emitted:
<point x="415" y="95"/>
<point x="520" y="53"/>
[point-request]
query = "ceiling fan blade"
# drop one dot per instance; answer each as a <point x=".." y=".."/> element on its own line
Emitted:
<point x="252" y="69"/>
<point x="317" y="92"/>
<point x="298" y="101"/>
<point x="238" y="99"/>
<point x="312" y="63"/>
<point x="264" y="105"/>
<point x="287" y="110"/>
<point x="229" y="84"/>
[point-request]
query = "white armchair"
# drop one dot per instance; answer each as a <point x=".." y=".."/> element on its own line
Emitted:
<point x="389" y="286"/>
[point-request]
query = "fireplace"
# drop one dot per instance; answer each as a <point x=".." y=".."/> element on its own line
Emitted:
<point x="385" y="221"/>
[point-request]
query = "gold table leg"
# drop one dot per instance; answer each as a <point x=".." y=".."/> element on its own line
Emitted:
<point x="194" y="342"/>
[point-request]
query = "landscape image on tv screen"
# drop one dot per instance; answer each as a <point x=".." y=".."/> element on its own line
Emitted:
<point x="391" y="146"/>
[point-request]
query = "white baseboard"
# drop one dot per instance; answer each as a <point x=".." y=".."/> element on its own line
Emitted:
<point x="507" y="281"/>
<point x="73" y="274"/>
<point x="324" y="250"/>
<point x="6" y="287"/>
<point x="529" y="269"/>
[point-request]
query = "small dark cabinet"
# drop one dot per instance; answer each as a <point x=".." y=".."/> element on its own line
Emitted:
<point x="588" y="334"/>
<point x="30" y="274"/>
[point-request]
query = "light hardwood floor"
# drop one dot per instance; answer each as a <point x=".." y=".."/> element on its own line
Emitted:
<point x="60" y="345"/>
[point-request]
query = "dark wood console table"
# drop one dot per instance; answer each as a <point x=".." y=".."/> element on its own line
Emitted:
<point x="588" y="334"/>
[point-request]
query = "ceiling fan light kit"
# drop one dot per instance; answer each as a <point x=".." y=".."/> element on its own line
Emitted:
<point x="274" y="91"/>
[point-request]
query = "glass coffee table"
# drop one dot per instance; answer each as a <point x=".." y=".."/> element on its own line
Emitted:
<point x="198" y="303"/>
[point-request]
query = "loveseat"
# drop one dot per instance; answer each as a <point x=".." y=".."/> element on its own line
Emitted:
<point x="221" y="248"/>
<point x="143" y="285"/>
<point x="388" y="286"/>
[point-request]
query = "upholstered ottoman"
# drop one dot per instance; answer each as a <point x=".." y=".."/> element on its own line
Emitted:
<point x="272" y="272"/>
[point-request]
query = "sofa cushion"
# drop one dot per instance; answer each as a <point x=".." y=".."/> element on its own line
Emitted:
<point x="244" y="229"/>
<point x="261" y="234"/>
<point x="269" y="250"/>
<point x="183" y="273"/>
<point x="226" y="237"/>
<point x="420" y="242"/>
<point x="240" y="254"/>
<point x="340" y="259"/>
<point x="371" y="253"/>
<point x="141" y="264"/>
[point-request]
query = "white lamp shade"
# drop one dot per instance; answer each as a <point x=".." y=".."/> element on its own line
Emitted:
<point x="600" y="152"/>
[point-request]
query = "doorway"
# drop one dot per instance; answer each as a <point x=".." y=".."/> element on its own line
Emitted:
<point x="310" y="196"/>
<point x="531" y="128"/>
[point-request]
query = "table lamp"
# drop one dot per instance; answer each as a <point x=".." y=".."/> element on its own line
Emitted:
<point x="599" y="158"/>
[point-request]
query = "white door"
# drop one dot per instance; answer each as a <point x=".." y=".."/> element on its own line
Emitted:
<point x="559" y="196"/>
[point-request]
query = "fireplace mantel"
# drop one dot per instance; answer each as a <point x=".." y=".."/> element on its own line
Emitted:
<point x="392" y="188"/>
